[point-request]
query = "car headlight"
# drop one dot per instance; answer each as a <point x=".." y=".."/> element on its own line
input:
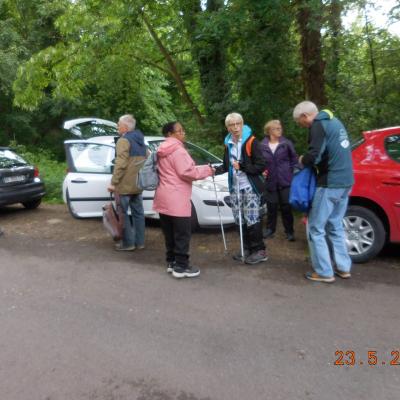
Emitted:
<point x="207" y="185"/>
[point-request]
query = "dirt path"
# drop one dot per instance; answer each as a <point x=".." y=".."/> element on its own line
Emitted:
<point x="54" y="223"/>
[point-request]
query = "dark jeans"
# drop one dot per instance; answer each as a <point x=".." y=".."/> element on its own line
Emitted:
<point x="177" y="233"/>
<point x="252" y="237"/>
<point x="276" y="199"/>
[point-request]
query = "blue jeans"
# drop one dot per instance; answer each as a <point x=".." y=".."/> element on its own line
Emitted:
<point x="325" y="233"/>
<point x="133" y="231"/>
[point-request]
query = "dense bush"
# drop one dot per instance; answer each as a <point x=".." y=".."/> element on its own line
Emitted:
<point x="51" y="171"/>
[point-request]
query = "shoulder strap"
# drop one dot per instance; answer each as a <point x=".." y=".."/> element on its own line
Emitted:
<point x="249" y="144"/>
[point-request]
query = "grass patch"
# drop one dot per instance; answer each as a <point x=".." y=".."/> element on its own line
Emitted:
<point x="51" y="171"/>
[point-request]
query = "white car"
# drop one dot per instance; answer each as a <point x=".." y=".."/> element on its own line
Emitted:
<point x="90" y="163"/>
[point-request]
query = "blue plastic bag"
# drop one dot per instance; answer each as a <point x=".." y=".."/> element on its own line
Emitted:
<point x="302" y="189"/>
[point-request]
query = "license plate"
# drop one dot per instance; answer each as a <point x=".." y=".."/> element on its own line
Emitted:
<point x="16" y="178"/>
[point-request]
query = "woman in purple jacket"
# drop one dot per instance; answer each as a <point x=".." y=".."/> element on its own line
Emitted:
<point x="281" y="158"/>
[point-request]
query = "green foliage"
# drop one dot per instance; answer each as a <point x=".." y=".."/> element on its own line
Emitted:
<point x="177" y="59"/>
<point x="358" y="101"/>
<point x="51" y="171"/>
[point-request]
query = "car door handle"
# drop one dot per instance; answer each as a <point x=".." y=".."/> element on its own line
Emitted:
<point x="78" y="181"/>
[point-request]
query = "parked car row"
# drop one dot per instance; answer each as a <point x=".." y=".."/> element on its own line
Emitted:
<point x="371" y="221"/>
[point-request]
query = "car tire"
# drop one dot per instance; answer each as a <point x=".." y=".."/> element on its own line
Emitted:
<point x="365" y="233"/>
<point x="31" y="205"/>
<point x="69" y="206"/>
<point x="193" y="219"/>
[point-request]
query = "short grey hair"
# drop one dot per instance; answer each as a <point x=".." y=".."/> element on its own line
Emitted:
<point x="129" y="121"/>
<point x="305" y="107"/>
<point x="233" y="117"/>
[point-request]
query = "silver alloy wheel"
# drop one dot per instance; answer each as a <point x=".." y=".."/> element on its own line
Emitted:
<point x="360" y="235"/>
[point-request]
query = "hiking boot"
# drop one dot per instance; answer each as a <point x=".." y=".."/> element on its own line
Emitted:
<point x="313" y="276"/>
<point x="120" y="247"/>
<point x="182" y="272"/>
<point x="343" y="274"/>
<point x="238" y="256"/>
<point x="268" y="233"/>
<point x="257" y="257"/>
<point x="170" y="267"/>
<point x="290" y="237"/>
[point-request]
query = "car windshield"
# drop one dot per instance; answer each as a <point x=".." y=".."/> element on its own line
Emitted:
<point x="8" y="159"/>
<point x="199" y="155"/>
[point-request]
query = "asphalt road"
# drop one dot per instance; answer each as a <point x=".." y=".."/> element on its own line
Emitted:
<point x="79" y="321"/>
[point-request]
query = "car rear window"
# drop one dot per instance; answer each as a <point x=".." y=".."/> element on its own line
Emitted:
<point x="92" y="157"/>
<point x="9" y="159"/>
<point x="392" y="146"/>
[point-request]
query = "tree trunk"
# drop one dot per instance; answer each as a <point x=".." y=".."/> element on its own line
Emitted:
<point x="309" y="17"/>
<point x="209" y="54"/>
<point x="335" y="27"/>
<point x="373" y="71"/>
<point x="173" y="70"/>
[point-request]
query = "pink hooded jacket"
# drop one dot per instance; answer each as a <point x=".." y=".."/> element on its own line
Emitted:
<point x="176" y="170"/>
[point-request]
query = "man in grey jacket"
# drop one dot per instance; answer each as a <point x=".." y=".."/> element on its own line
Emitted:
<point x="329" y="151"/>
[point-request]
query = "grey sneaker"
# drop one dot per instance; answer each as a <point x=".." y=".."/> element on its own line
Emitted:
<point x="238" y="256"/>
<point x="257" y="257"/>
<point x="120" y="247"/>
<point x="268" y="233"/>
<point x="290" y="237"/>
<point x="189" y="272"/>
<point x="170" y="267"/>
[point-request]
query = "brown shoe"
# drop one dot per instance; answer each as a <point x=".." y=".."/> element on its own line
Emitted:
<point x="313" y="276"/>
<point x="343" y="274"/>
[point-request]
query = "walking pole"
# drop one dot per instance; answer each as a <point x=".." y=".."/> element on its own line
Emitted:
<point x="220" y="216"/>
<point x="240" y="216"/>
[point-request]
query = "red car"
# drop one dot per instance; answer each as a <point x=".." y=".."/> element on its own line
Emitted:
<point x="373" y="215"/>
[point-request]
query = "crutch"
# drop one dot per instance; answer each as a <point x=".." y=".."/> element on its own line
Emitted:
<point x="240" y="216"/>
<point x="219" y="214"/>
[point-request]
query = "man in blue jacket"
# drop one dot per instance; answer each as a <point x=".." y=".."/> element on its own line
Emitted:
<point x="329" y="152"/>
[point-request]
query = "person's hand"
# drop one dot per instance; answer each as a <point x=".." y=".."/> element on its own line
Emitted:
<point x="212" y="170"/>
<point x="265" y="173"/>
<point x="236" y="165"/>
<point x="301" y="160"/>
<point x="111" y="188"/>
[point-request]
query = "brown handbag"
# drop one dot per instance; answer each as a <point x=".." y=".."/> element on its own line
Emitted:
<point x="113" y="218"/>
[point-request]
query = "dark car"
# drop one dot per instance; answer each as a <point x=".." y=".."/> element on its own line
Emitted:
<point x="19" y="181"/>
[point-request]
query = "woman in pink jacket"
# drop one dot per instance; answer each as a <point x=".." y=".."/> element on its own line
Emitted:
<point x="176" y="170"/>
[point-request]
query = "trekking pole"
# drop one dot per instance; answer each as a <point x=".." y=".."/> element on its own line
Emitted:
<point x="240" y="216"/>
<point x="219" y="214"/>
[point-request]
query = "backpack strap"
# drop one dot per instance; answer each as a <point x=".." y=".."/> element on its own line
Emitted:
<point x="249" y="144"/>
